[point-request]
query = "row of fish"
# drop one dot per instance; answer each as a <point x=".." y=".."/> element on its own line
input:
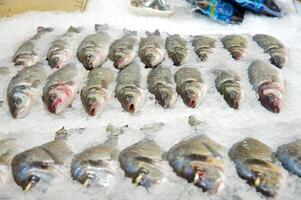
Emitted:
<point x="198" y="159"/>
<point x="94" y="50"/>
<point x="61" y="87"/>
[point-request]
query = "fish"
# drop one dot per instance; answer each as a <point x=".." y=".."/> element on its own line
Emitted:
<point x="160" y="82"/>
<point x="61" y="88"/>
<point x="255" y="163"/>
<point x="128" y="89"/>
<point x="24" y="89"/>
<point x="200" y="161"/>
<point x="274" y="47"/>
<point x="39" y="166"/>
<point x="94" y="49"/>
<point x="177" y="50"/>
<point x="236" y="45"/>
<point x="190" y="86"/>
<point x="152" y="49"/>
<point x="94" y="166"/>
<point x="61" y="51"/>
<point x="228" y="84"/>
<point x="269" y="82"/>
<point x="290" y="156"/>
<point x="26" y="55"/>
<point x="142" y="162"/>
<point x="203" y="46"/>
<point x="123" y="50"/>
<point x="95" y="95"/>
<point x="9" y="147"/>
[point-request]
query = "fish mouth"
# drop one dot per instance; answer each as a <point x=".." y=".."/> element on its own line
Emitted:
<point x="33" y="180"/>
<point x="89" y="62"/>
<point x="277" y="60"/>
<point x="93" y="109"/>
<point x="54" y="105"/>
<point x="131" y="108"/>
<point x="270" y="96"/>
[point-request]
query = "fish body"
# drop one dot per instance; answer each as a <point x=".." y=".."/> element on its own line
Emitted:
<point x="123" y="50"/>
<point x="254" y="162"/>
<point x="62" y="87"/>
<point x="60" y="53"/>
<point x="269" y="82"/>
<point x="190" y="86"/>
<point x="290" y="156"/>
<point x="95" y="95"/>
<point x="161" y="83"/>
<point x="152" y="49"/>
<point x="26" y="54"/>
<point x="203" y="46"/>
<point x="143" y="163"/>
<point x="128" y="89"/>
<point x="274" y="47"/>
<point x="236" y="45"/>
<point x="177" y="50"/>
<point x="200" y="161"/>
<point x="94" y="49"/>
<point x="23" y="90"/>
<point x="227" y="83"/>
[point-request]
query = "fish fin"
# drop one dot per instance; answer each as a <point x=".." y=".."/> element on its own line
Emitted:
<point x="73" y="29"/>
<point x="101" y="27"/>
<point x="41" y="29"/>
<point x="61" y="134"/>
<point x="130" y="32"/>
<point x="115" y="131"/>
<point x="156" y="32"/>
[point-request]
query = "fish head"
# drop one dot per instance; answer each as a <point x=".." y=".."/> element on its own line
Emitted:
<point x="131" y="98"/>
<point x="192" y="93"/>
<point x="270" y="96"/>
<point x="179" y="56"/>
<point x="148" y="175"/>
<point x="152" y="57"/>
<point x="166" y="96"/>
<point x="26" y="60"/>
<point x="59" y="96"/>
<point x="58" y="58"/>
<point x="21" y="101"/>
<point x="95" y="100"/>
<point x="232" y="93"/>
<point x="92" y="57"/>
<point x="122" y="57"/>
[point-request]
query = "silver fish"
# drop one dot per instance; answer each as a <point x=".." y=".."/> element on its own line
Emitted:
<point x="190" y="86"/>
<point x="94" y="49"/>
<point x="274" y="47"/>
<point x="40" y="165"/>
<point x="290" y="156"/>
<point x="254" y="162"/>
<point x="200" y="161"/>
<point x="152" y="49"/>
<point x="177" y="50"/>
<point x="203" y="46"/>
<point x="23" y="90"/>
<point x="61" y="52"/>
<point x="61" y="88"/>
<point x="95" y="95"/>
<point x="123" y="50"/>
<point x="236" y="45"/>
<point x="161" y="83"/>
<point x="26" y="54"/>
<point x="270" y="84"/>
<point x="128" y="90"/>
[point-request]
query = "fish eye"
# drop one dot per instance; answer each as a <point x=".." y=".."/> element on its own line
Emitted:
<point x="17" y="100"/>
<point x="144" y="171"/>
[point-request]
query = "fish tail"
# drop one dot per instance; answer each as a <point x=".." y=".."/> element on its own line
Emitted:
<point x="73" y="29"/>
<point x="129" y="32"/>
<point x="101" y="27"/>
<point x="156" y="32"/>
<point x="42" y="29"/>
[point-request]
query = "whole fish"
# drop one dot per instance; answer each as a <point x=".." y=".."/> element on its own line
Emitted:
<point x="190" y="86"/>
<point x="177" y="50"/>
<point x="290" y="156"/>
<point x="161" y="83"/>
<point x="255" y="163"/>
<point x="93" y="166"/>
<point x="227" y="83"/>
<point x="236" y="45"/>
<point x="40" y="165"/>
<point x="200" y="161"/>
<point x="270" y="84"/>
<point x="24" y="90"/>
<point x="61" y="50"/>
<point x="128" y="89"/>
<point x="274" y="47"/>
<point x="94" y="49"/>
<point x="95" y="95"/>
<point x="143" y="163"/>
<point x="8" y="149"/>
<point x="123" y="50"/>
<point x="26" y="54"/>
<point x="203" y="46"/>
<point x="152" y="49"/>
<point x="61" y="88"/>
